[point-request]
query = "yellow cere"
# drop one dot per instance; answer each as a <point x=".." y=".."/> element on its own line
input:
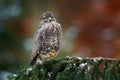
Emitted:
<point x="49" y="18"/>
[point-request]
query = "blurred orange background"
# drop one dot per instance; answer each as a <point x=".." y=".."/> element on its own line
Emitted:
<point x="90" y="28"/>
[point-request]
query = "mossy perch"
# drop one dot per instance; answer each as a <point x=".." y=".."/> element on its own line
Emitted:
<point x="71" y="68"/>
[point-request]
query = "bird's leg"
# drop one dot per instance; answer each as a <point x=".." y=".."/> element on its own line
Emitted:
<point x="52" y="54"/>
<point x="40" y="57"/>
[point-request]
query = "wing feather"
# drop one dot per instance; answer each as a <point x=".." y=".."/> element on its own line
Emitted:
<point x="37" y="44"/>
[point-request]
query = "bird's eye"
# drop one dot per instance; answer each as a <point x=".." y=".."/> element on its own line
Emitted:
<point x="43" y="17"/>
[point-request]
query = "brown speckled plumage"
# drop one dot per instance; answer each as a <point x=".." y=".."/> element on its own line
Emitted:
<point x="47" y="38"/>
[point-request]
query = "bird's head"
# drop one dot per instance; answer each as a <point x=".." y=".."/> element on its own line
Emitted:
<point x="47" y="17"/>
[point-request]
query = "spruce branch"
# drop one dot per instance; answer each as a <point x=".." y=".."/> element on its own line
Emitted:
<point x="71" y="68"/>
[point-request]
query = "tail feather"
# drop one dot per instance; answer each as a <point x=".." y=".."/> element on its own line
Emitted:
<point x="33" y="60"/>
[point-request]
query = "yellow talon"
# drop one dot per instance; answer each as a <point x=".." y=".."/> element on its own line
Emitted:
<point x="52" y="55"/>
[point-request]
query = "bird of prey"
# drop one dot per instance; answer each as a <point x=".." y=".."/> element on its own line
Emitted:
<point x="47" y="38"/>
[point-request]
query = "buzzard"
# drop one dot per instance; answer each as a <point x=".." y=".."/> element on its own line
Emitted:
<point x="47" y="38"/>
